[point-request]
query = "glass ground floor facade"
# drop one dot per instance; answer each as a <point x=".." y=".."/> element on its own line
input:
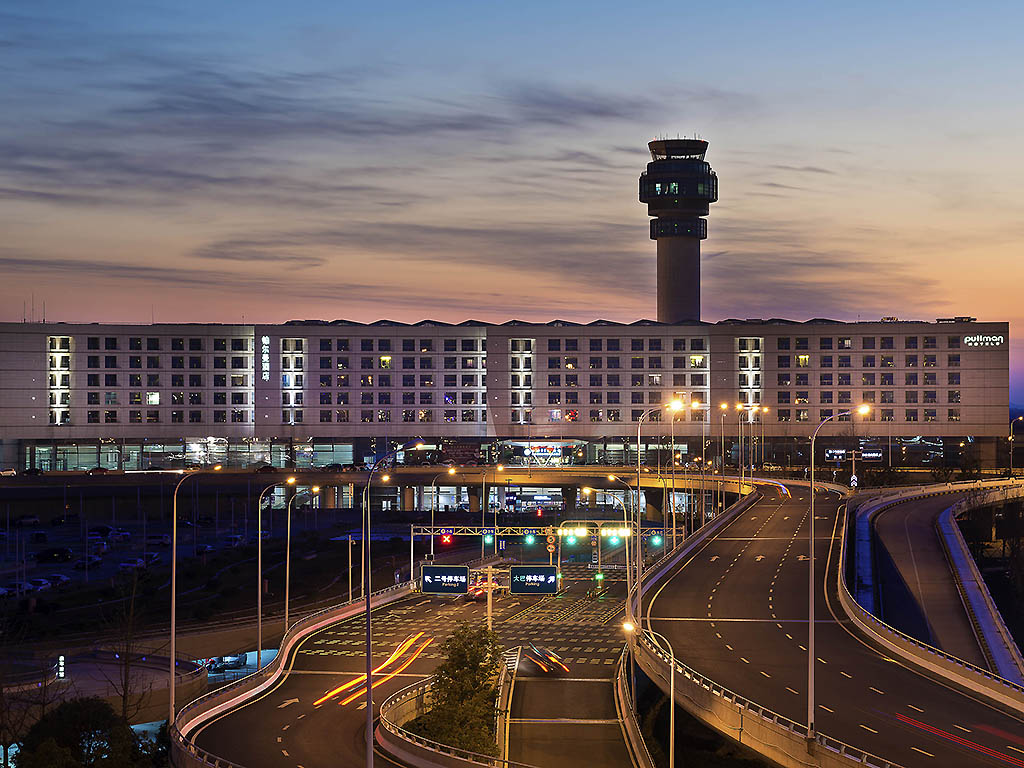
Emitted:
<point x="954" y="451"/>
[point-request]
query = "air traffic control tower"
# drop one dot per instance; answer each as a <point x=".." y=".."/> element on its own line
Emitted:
<point x="677" y="186"/>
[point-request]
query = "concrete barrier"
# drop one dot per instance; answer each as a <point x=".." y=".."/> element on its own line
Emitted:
<point x="634" y="739"/>
<point x="927" y="658"/>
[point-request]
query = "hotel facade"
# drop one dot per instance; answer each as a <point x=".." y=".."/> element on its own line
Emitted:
<point x="311" y="393"/>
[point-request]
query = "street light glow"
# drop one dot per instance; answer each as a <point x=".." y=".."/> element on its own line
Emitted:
<point x="315" y="489"/>
<point x="864" y="409"/>
<point x="290" y="481"/>
<point x="451" y="470"/>
<point x="628" y="626"/>
<point x="385" y="478"/>
<point x="675" y="405"/>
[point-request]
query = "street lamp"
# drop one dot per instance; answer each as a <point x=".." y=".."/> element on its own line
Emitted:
<point x="288" y="552"/>
<point x="764" y="414"/>
<point x="487" y="502"/>
<point x="366" y="592"/>
<point x="696" y="406"/>
<point x="639" y="537"/>
<point x="259" y="568"/>
<point x="723" y="408"/>
<point x="433" y="507"/>
<point x="1014" y="421"/>
<point x="674" y="407"/>
<point x="174" y="579"/>
<point x="626" y="525"/>
<point x="862" y="410"/>
<point x="629" y="627"/>
<point x="739" y="442"/>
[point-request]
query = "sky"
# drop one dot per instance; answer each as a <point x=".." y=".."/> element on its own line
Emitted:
<point x="267" y="161"/>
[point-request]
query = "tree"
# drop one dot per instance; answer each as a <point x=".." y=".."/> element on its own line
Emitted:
<point x="463" y="696"/>
<point x="82" y="732"/>
<point x="126" y="680"/>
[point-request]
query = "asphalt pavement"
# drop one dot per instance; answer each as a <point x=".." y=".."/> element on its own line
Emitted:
<point x="736" y="611"/>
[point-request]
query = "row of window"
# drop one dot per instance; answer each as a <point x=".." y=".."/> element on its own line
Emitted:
<point x="866" y="361"/>
<point x="154" y="361"/>
<point x="153" y="343"/>
<point x="615" y="380"/>
<point x="612" y="345"/>
<point x="884" y="414"/>
<point x="383" y="416"/>
<point x="195" y="380"/>
<point x="611" y="398"/>
<point x="867" y="342"/>
<point x="237" y="416"/>
<point x="386" y="345"/>
<point x="866" y="379"/>
<point x="595" y="363"/>
<point x="385" y="362"/>
<point x="154" y="398"/>
<point x="885" y="396"/>
<point x="385" y="380"/>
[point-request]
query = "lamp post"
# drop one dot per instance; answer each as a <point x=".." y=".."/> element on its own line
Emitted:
<point x="433" y="506"/>
<point x="367" y="590"/>
<point x="752" y="438"/>
<point x="626" y="524"/>
<point x="673" y="408"/>
<point x="696" y="406"/>
<point x="723" y="408"/>
<point x="764" y="413"/>
<point x="862" y="410"/>
<point x="259" y="568"/>
<point x="174" y="581"/>
<point x="288" y="552"/>
<point x="484" y="509"/>
<point x="639" y="538"/>
<point x="739" y="442"/>
<point x="628" y="495"/>
<point x="630" y="627"/>
<point x="1019" y="418"/>
<point x="499" y="468"/>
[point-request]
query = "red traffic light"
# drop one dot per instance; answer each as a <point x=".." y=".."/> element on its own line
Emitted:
<point x="446" y="538"/>
<point x="540" y="512"/>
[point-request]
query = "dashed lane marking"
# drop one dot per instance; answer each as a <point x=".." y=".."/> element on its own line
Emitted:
<point x="916" y="709"/>
<point x="868" y="728"/>
<point x="928" y="754"/>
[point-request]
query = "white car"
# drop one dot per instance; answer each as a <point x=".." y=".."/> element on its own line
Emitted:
<point x="137" y="564"/>
<point x="58" y="579"/>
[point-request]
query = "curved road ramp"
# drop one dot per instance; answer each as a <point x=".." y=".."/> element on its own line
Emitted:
<point x="731" y="607"/>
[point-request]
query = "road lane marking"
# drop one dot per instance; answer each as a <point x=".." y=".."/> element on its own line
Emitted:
<point x="965" y="730"/>
<point x="827" y="709"/>
<point x="929" y="754"/>
<point x="844" y="674"/>
<point x="1015" y="749"/>
<point x="916" y="709"/>
<point x="741" y="659"/>
<point x="764" y="673"/>
<point x="819" y="659"/>
<point x="868" y="728"/>
<point x="787" y="688"/>
<point x="283" y="751"/>
<point x="872" y="688"/>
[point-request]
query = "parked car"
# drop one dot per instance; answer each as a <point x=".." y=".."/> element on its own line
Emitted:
<point x="158" y="540"/>
<point x="33" y="472"/>
<point x="230" y="542"/>
<point x="3" y="592"/>
<point x="120" y="534"/>
<point x="59" y="579"/>
<point x="205" y="549"/>
<point x="103" y="531"/>
<point x="135" y="564"/>
<point x="40" y="584"/>
<point x="25" y="520"/>
<point x="8" y="473"/>
<point x="223" y="663"/>
<point x="151" y="558"/>
<point x="92" y="561"/>
<point x="98" y="547"/>
<point x="55" y="555"/>
<point x="39" y="537"/>
<point x="333" y="468"/>
<point x="20" y="588"/>
<point x="264" y="468"/>
<point x="67" y="517"/>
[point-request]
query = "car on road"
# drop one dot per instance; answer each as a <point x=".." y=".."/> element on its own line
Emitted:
<point x="264" y="468"/>
<point x="545" y="659"/>
<point x="135" y="564"/>
<point x="8" y="473"/>
<point x="19" y="588"/>
<point x="223" y="663"/>
<point x="59" y="579"/>
<point x="92" y="561"/>
<point x="33" y="472"/>
<point x="40" y="584"/>
<point x="332" y="468"/>
<point x="55" y="555"/>
<point x="97" y="471"/>
<point x="476" y="593"/>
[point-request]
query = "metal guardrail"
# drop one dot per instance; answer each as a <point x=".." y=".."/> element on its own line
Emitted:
<point x="933" y="659"/>
<point x="184" y="752"/>
<point x="639" y="641"/>
<point x="413" y="701"/>
<point x="627" y="717"/>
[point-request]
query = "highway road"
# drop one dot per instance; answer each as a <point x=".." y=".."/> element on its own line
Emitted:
<point x="909" y="537"/>
<point x="283" y="727"/>
<point x="736" y="611"/>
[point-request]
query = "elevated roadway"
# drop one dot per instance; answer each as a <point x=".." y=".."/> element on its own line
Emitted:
<point x="735" y="609"/>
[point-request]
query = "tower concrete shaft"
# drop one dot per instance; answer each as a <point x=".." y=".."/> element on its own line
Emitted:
<point x="678" y="186"/>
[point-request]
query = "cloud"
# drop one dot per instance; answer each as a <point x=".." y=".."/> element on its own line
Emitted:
<point x="803" y="169"/>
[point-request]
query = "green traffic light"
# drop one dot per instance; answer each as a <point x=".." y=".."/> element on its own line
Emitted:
<point x="529" y="538"/>
<point x="570" y="540"/>
<point x="656" y="541"/>
<point x="488" y="539"/>
<point x="599" y="576"/>
<point x="613" y="540"/>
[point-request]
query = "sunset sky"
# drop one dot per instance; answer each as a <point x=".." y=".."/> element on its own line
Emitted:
<point x="198" y="161"/>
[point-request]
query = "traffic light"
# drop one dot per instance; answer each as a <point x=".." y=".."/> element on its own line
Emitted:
<point x="530" y="538"/>
<point x="613" y="540"/>
<point x="540" y="512"/>
<point x="599" y="576"/>
<point x="571" y="540"/>
<point x="488" y="539"/>
<point x="446" y="538"/>
<point x="655" y="541"/>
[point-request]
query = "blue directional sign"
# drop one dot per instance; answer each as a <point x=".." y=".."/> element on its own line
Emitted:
<point x="447" y="531"/>
<point x="534" y="580"/>
<point x="445" y="579"/>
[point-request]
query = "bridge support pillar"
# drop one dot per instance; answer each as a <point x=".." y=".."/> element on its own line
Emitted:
<point x="654" y="501"/>
<point x="408" y="498"/>
<point x="473" y="492"/>
<point x="329" y="497"/>
<point x="569" y="494"/>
